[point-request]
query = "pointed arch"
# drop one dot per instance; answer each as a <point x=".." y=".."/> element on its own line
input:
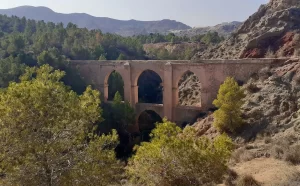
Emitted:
<point x="189" y="90"/>
<point x="114" y="83"/>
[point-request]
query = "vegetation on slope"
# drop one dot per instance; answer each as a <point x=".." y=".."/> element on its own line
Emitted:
<point x="47" y="134"/>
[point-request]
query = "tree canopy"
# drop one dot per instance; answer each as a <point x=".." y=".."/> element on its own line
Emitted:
<point x="46" y="133"/>
<point x="178" y="157"/>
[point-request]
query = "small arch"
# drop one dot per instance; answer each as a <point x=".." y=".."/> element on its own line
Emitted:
<point x="114" y="83"/>
<point x="146" y="121"/>
<point x="150" y="87"/>
<point x="189" y="90"/>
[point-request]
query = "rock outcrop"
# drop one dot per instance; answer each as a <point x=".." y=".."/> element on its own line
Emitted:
<point x="272" y="105"/>
<point x="268" y="147"/>
<point x="272" y="102"/>
<point x="273" y="31"/>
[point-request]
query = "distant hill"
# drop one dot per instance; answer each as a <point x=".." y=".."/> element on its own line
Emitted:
<point x="224" y="29"/>
<point x="124" y="28"/>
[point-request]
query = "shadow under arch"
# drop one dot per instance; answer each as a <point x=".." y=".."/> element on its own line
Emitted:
<point x="150" y="89"/>
<point x="146" y="121"/>
<point x="189" y="90"/>
<point x="115" y="83"/>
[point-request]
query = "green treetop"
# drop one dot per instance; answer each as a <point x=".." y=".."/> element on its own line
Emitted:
<point x="229" y="101"/>
<point x="178" y="157"/>
<point x="46" y="134"/>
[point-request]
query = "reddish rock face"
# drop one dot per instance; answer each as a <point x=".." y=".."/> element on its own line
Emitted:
<point x="284" y="46"/>
<point x="253" y="53"/>
<point x="287" y="44"/>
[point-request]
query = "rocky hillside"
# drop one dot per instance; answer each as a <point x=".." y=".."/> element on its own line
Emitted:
<point x="273" y="31"/>
<point x="223" y="29"/>
<point x="268" y="147"/>
<point x="124" y="28"/>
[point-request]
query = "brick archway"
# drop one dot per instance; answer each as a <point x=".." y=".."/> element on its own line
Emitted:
<point x="150" y="85"/>
<point x="107" y="85"/>
<point x="177" y="84"/>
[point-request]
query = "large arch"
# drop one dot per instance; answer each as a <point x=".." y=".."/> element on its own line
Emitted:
<point x="188" y="90"/>
<point x="146" y="121"/>
<point x="108" y="84"/>
<point x="114" y="83"/>
<point x="150" y="87"/>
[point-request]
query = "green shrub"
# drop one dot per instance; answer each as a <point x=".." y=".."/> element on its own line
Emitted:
<point x="178" y="157"/>
<point x="229" y="101"/>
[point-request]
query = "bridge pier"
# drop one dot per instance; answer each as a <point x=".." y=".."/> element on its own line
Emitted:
<point x="127" y="84"/>
<point x="168" y="92"/>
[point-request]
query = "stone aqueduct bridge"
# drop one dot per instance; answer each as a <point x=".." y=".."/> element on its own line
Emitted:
<point x="211" y="74"/>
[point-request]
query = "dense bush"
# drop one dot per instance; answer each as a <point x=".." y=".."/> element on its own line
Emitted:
<point x="179" y="157"/>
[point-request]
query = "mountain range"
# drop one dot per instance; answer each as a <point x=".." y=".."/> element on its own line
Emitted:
<point x="120" y="27"/>
<point x="124" y="28"/>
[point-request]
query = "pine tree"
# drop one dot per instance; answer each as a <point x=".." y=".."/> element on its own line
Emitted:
<point x="46" y="134"/>
<point x="121" y="57"/>
<point x="229" y="101"/>
<point x="124" y="114"/>
<point x="178" y="157"/>
<point x="102" y="57"/>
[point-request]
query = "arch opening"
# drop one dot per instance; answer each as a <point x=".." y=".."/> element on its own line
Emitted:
<point x="115" y="84"/>
<point x="150" y="88"/>
<point x="147" y="121"/>
<point x="189" y="90"/>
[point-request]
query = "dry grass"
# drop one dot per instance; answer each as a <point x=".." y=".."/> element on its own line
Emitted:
<point x="277" y="152"/>
<point x="286" y="149"/>
<point x="293" y="155"/>
<point x="230" y="177"/>
<point x="296" y="52"/>
<point x="268" y="140"/>
<point x="270" y="53"/>
<point x="296" y="39"/>
<point x="247" y="180"/>
<point x="269" y="171"/>
<point x="281" y="53"/>
<point x="242" y="155"/>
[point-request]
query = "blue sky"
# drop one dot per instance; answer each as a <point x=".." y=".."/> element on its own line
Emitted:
<point x="191" y="12"/>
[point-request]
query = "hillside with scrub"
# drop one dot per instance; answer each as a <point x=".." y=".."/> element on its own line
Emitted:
<point x="55" y="129"/>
